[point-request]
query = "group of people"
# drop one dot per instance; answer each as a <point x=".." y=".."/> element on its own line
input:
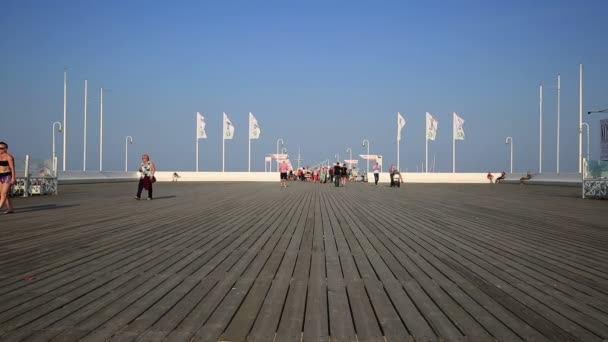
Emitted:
<point x="503" y="175"/>
<point x="338" y="174"/>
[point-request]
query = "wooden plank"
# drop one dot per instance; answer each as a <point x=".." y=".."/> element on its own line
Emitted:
<point x="315" y="318"/>
<point x="341" y="324"/>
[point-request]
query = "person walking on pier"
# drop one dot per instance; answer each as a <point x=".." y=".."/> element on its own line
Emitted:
<point x="146" y="178"/>
<point x="7" y="176"/>
<point x="391" y="173"/>
<point x="376" y="173"/>
<point x="337" y="173"/>
<point x="284" y="169"/>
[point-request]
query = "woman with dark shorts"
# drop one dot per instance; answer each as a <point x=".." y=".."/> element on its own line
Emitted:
<point x="147" y="169"/>
<point x="7" y="177"/>
<point x="284" y="169"/>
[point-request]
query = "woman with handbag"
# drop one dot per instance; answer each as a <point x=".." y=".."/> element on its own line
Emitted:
<point x="146" y="178"/>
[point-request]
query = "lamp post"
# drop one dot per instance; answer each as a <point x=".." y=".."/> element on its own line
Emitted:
<point x="363" y="145"/>
<point x="509" y="140"/>
<point x="282" y="143"/>
<point x="65" y="114"/>
<point x="337" y="156"/>
<point x="598" y="111"/>
<point x="54" y="157"/>
<point x="128" y="140"/>
<point x="587" y="126"/>
<point x="350" y="157"/>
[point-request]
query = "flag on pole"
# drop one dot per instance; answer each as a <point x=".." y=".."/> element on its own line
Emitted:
<point x="254" y="128"/>
<point x="200" y="126"/>
<point x="431" y="127"/>
<point x="458" y="127"/>
<point x="400" y="124"/>
<point x="228" y="128"/>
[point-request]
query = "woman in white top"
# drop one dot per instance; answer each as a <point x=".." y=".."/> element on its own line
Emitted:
<point x="376" y="173"/>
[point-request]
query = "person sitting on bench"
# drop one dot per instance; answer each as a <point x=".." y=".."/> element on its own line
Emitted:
<point x="527" y="177"/>
<point x="503" y="175"/>
<point x="490" y="177"/>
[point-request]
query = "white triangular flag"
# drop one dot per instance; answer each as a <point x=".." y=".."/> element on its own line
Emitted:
<point x="400" y="124"/>
<point x="228" y="128"/>
<point x="200" y="126"/>
<point x="431" y="127"/>
<point x="458" y="127"/>
<point x="254" y="128"/>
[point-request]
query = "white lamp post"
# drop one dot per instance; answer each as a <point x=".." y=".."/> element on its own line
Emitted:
<point x="350" y="156"/>
<point x="587" y="126"/>
<point x="54" y="157"/>
<point x="65" y="115"/>
<point x="580" y="119"/>
<point x="509" y="140"/>
<point x="282" y="143"/>
<point x="128" y="140"/>
<point x="363" y="145"/>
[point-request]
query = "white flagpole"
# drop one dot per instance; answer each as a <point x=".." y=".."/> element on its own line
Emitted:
<point x="223" y="140"/>
<point x="453" y="152"/>
<point x="426" y="146"/>
<point x="540" y="138"/>
<point x="558" y="113"/>
<point x="197" y="142"/>
<point x="398" y="133"/>
<point x="84" y="159"/>
<point x="580" y="120"/>
<point x="426" y="158"/>
<point x="101" y="133"/>
<point x="398" y="153"/>
<point x="249" y="133"/>
<point x="65" y="115"/>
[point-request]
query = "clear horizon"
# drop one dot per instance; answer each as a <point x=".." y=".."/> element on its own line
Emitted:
<point x="321" y="76"/>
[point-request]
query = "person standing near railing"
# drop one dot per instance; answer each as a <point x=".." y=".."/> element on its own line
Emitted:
<point x="8" y="176"/>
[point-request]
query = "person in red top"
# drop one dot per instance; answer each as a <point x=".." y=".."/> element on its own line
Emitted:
<point x="490" y="177"/>
<point x="284" y="169"/>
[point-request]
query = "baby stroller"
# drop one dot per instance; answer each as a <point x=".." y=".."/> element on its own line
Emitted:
<point x="397" y="179"/>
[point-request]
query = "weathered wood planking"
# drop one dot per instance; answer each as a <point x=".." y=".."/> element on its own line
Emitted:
<point x="254" y="262"/>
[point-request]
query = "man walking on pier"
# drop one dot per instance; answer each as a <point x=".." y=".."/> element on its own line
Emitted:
<point x="337" y="173"/>
<point x="284" y="169"/>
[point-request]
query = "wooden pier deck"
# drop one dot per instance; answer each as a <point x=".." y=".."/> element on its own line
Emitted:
<point x="252" y="261"/>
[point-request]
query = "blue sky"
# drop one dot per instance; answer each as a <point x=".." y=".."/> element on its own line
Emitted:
<point x="323" y="75"/>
